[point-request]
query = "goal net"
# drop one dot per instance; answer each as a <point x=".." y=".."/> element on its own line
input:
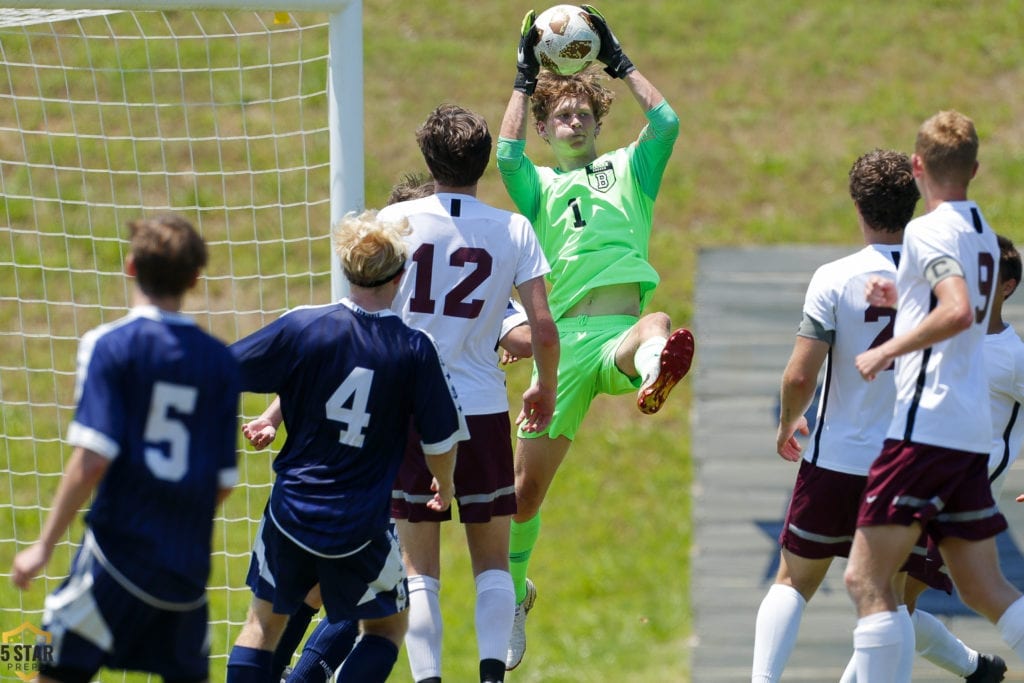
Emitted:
<point x="107" y="116"/>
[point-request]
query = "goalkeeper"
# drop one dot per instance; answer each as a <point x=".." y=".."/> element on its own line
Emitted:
<point x="593" y="215"/>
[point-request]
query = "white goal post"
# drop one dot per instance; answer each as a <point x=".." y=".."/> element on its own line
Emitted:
<point x="248" y="121"/>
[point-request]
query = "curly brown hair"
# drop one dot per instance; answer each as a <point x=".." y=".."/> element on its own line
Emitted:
<point x="586" y="85"/>
<point x="883" y="188"/>
<point x="1009" y="260"/>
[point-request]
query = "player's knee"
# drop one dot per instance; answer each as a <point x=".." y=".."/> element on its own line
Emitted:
<point x="655" y="324"/>
<point x="857" y="584"/>
<point x="527" y="505"/>
<point x="529" y="496"/>
<point x="393" y="628"/>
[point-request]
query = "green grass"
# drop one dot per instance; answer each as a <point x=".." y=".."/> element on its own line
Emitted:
<point x="776" y="101"/>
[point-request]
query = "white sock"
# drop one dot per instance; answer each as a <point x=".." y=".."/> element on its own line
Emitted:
<point x="647" y="359"/>
<point x="495" y="611"/>
<point x="878" y="643"/>
<point x="1011" y="626"/>
<point x="906" y="669"/>
<point x="934" y="642"/>
<point x="423" y="640"/>
<point x="775" y="632"/>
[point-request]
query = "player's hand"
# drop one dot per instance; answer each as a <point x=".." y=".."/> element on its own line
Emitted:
<point x="786" y="444"/>
<point x="880" y="291"/>
<point x="507" y="358"/>
<point x="617" y="64"/>
<point x="527" y="66"/>
<point x="1020" y="498"/>
<point x="260" y="432"/>
<point x="27" y="565"/>
<point x="872" y="362"/>
<point x="538" y="408"/>
<point x="443" y="495"/>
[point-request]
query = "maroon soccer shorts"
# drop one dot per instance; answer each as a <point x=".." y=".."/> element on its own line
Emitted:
<point x="822" y="513"/>
<point x="947" y="491"/>
<point x="484" y="475"/>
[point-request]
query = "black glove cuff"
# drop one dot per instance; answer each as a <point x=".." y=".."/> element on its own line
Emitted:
<point x="620" y="68"/>
<point x="524" y="84"/>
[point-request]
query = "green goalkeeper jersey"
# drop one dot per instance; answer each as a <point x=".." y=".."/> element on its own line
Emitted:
<point x="594" y="223"/>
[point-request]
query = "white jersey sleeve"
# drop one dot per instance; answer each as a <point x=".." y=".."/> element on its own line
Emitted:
<point x="515" y="315"/>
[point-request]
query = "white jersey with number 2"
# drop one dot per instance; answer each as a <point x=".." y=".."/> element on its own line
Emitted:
<point x="852" y="414"/>
<point x="465" y="257"/>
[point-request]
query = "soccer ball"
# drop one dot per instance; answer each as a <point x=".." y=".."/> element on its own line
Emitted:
<point x="568" y="43"/>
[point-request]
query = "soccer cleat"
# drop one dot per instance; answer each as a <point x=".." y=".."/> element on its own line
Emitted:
<point x="990" y="669"/>
<point x="517" y="641"/>
<point x="673" y="366"/>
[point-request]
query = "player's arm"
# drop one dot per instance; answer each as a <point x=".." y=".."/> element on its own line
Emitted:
<point x="513" y="124"/>
<point x="262" y="431"/>
<point x="799" y="381"/>
<point x="539" y="399"/>
<point x="82" y="475"/>
<point x="515" y="338"/>
<point x="953" y="314"/>
<point x="644" y="92"/>
<point x="442" y="468"/>
<point x="516" y="344"/>
<point x="618" y="65"/>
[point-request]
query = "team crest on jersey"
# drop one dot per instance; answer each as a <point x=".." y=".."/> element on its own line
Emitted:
<point x="601" y="176"/>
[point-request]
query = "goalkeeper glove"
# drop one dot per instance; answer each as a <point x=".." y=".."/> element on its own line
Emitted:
<point x="527" y="66"/>
<point x="617" y="64"/>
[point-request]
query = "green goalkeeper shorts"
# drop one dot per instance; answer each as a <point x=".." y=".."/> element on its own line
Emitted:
<point x="586" y="368"/>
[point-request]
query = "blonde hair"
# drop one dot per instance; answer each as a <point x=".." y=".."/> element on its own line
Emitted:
<point x="947" y="145"/>
<point x="372" y="252"/>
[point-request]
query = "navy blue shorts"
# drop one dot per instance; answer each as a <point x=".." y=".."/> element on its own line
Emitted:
<point x="368" y="583"/>
<point x="96" y="622"/>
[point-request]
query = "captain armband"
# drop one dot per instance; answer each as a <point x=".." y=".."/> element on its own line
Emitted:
<point x="940" y="268"/>
<point x="812" y="329"/>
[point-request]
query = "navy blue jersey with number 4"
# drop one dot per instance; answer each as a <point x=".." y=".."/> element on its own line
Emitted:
<point x="158" y="397"/>
<point x="349" y="383"/>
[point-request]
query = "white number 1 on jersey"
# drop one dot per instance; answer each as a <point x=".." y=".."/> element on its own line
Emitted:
<point x="355" y="391"/>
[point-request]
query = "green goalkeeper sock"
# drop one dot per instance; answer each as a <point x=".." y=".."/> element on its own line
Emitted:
<point x="521" y="541"/>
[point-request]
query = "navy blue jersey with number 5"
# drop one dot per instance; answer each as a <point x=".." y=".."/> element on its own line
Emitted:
<point x="349" y="381"/>
<point x="158" y="397"/>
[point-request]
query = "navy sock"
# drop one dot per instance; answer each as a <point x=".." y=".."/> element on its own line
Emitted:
<point x="290" y="639"/>
<point x="492" y="671"/>
<point x="371" y="661"/>
<point x="326" y="648"/>
<point x="249" y="665"/>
